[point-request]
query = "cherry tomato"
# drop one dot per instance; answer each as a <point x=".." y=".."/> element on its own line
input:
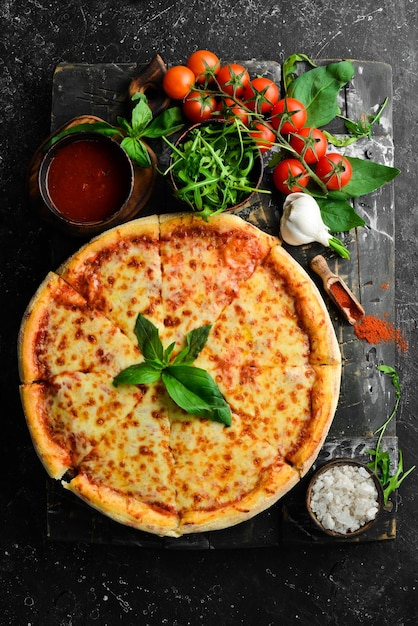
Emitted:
<point x="198" y="106"/>
<point x="263" y="135"/>
<point x="334" y="170"/>
<point x="229" y="109"/>
<point x="203" y="64"/>
<point x="177" y="81"/>
<point x="290" y="176"/>
<point x="288" y="115"/>
<point x="310" y="143"/>
<point x="232" y="79"/>
<point x="261" y="94"/>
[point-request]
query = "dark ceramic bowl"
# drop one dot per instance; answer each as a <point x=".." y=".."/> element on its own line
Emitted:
<point x="255" y="175"/>
<point x="338" y="463"/>
<point x="134" y="186"/>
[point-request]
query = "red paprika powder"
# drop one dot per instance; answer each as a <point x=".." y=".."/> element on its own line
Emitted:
<point x="345" y="302"/>
<point x="374" y="330"/>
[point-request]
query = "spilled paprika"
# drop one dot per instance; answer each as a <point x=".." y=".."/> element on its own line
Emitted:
<point x="375" y="330"/>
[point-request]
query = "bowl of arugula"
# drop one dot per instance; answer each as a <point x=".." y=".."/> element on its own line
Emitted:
<point x="216" y="166"/>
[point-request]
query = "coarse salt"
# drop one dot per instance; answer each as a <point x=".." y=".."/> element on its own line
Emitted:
<point x="344" y="498"/>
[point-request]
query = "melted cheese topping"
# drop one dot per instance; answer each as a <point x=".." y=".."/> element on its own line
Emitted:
<point x="61" y="333"/>
<point x="120" y="275"/>
<point x="203" y="268"/>
<point x="130" y="451"/>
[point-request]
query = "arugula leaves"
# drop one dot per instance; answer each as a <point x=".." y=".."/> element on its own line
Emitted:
<point x="142" y="126"/>
<point x="191" y="388"/>
<point x="357" y="130"/>
<point x="381" y="462"/>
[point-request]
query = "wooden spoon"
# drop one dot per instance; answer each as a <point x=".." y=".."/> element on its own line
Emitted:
<point x="338" y="291"/>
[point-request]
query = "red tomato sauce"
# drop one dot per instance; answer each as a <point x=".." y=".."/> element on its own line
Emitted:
<point x="88" y="180"/>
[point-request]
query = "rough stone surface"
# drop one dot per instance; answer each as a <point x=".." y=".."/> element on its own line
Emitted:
<point x="65" y="583"/>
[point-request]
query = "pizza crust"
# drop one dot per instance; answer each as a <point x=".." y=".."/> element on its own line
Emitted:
<point x="60" y="332"/>
<point x="119" y="274"/>
<point x="127" y="510"/>
<point x="275" y="482"/>
<point x="130" y="452"/>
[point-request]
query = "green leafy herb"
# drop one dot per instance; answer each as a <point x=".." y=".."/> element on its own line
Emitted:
<point x="363" y="128"/>
<point x="356" y="130"/>
<point x="339" y="215"/>
<point x="142" y="126"/>
<point x="212" y="167"/>
<point x="191" y="388"/>
<point x="102" y="128"/>
<point x="195" y="391"/>
<point x="336" y="210"/>
<point x="381" y="461"/>
<point x="195" y="340"/>
<point x="290" y="66"/>
<point x="318" y="89"/>
<point x="367" y="177"/>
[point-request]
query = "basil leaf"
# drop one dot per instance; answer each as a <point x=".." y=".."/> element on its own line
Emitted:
<point x="102" y="128"/>
<point x="149" y="340"/>
<point x="168" y="122"/>
<point x="388" y="369"/>
<point x="136" y="150"/>
<point x="139" y="374"/>
<point x="367" y="177"/>
<point x="195" y="391"/>
<point x="318" y="88"/>
<point x="141" y="116"/>
<point x="196" y="340"/>
<point x="341" y="141"/>
<point x="290" y="67"/>
<point x="168" y="352"/>
<point x="339" y="215"/>
<point x="123" y="123"/>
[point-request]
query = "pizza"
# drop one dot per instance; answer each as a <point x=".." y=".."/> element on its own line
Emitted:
<point x="133" y="451"/>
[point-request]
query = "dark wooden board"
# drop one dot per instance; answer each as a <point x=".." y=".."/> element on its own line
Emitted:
<point x="367" y="396"/>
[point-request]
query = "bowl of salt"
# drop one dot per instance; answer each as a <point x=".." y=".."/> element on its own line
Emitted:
<point x="344" y="497"/>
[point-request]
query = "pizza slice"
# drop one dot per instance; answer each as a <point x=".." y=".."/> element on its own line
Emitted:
<point x="119" y="273"/>
<point x="291" y="407"/>
<point x="68" y="415"/>
<point x="223" y="475"/>
<point x="277" y="318"/>
<point x="203" y="266"/>
<point x="129" y="474"/>
<point x="61" y="333"/>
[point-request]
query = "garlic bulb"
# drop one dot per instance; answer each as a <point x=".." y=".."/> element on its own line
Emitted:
<point x="301" y="223"/>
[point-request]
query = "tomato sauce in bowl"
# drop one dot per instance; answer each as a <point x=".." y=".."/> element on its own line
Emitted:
<point x="86" y="178"/>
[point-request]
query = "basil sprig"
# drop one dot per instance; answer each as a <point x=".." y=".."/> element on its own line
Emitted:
<point x="191" y="388"/>
<point x="142" y="126"/>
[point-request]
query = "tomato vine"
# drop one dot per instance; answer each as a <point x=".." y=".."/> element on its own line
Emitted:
<point x="294" y="115"/>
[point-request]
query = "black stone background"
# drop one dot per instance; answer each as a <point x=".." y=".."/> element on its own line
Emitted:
<point x="52" y="583"/>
